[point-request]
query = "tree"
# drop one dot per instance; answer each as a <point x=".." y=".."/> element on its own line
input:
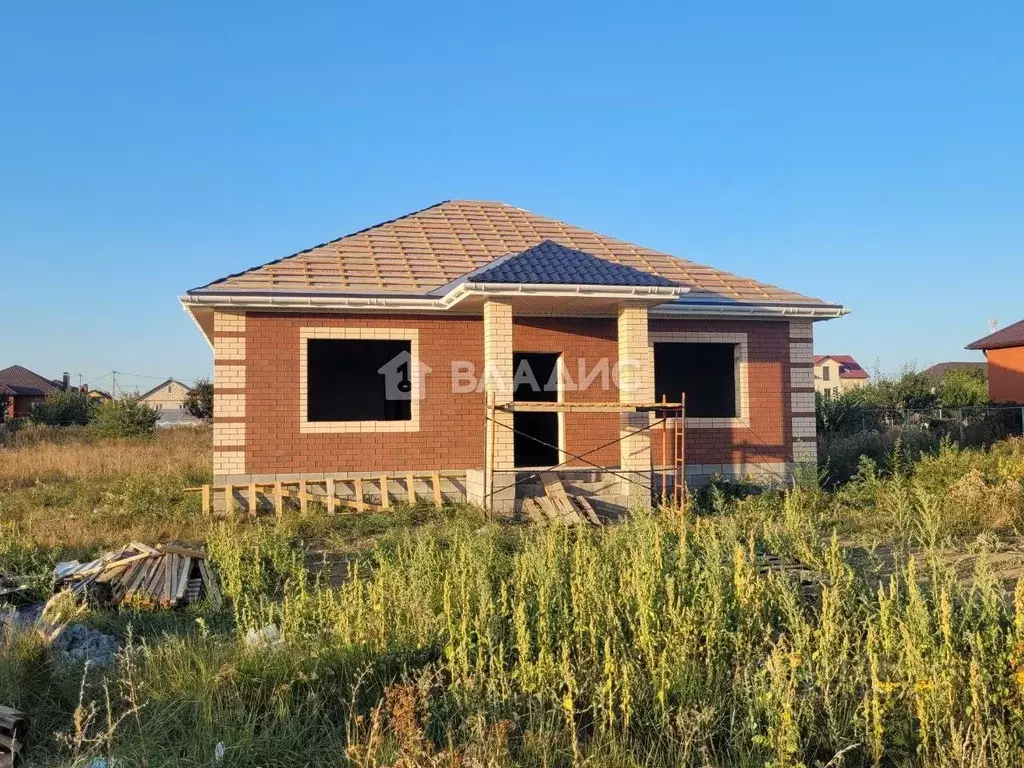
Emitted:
<point x="63" y="409"/>
<point x="962" y="387"/>
<point x="199" y="400"/>
<point x="126" y="417"/>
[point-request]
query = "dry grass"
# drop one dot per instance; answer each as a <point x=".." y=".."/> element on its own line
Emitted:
<point x="78" y="495"/>
<point x="181" y="450"/>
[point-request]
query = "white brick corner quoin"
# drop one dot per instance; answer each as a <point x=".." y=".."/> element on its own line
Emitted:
<point x="228" y="393"/>
<point x="412" y="335"/>
<point x="801" y="383"/>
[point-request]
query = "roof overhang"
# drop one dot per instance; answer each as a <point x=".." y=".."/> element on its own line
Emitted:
<point x="527" y="299"/>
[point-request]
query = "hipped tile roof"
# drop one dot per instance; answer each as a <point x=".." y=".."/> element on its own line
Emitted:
<point x="427" y="249"/>
<point x="552" y="263"/>
<point x="18" y="380"/>
<point x="1010" y="336"/>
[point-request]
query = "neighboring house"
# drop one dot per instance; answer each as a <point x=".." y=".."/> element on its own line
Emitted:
<point x="462" y="297"/>
<point x="168" y="400"/>
<point x="835" y="375"/>
<point x="1004" y="355"/>
<point x="938" y="371"/>
<point x="168" y="395"/>
<point x="21" y="387"/>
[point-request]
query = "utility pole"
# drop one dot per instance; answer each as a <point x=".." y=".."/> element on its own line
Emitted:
<point x="113" y="385"/>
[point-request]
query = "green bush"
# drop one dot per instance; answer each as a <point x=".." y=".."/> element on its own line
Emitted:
<point x="123" y="418"/>
<point x="199" y="400"/>
<point x="893" y="450"/>
<point x="63" y="409"/>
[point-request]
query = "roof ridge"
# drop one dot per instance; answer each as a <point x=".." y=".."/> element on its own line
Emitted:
<point x="323" y="244"/>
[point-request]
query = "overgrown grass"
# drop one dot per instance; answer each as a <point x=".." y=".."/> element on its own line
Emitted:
<point x="664" y="641"/>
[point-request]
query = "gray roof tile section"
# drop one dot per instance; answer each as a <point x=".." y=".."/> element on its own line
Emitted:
<point x="551" y="263"/>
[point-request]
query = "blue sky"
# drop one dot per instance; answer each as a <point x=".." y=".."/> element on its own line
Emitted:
<point x="869" y="154"/>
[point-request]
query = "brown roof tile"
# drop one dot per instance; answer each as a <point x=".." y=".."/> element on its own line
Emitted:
<point x="425" y="250"/>
<point x="1010" y="336"/>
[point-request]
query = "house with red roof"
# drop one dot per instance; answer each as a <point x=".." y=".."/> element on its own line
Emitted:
<point x="835" y="375"/>
<point x="1004" y="354"/>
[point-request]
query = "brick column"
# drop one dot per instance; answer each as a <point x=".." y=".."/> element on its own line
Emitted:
<point x="498" y="380"/>
<point x="228" y="394"/>
<point x="636" y="384"/>
<point x="801" y="384"/>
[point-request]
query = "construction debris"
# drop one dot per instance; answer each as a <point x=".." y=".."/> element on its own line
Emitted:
<point x="79" y="644"/>
<point x="13" y="725"/>
<point x="164" y="576"/>
<point x="558" y="507"/>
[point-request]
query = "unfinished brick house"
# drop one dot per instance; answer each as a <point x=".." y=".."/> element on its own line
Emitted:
<point x="380" y="352"/>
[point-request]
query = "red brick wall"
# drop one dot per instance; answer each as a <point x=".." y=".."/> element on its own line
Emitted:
<point x="452" y="433"/>
<point x="769" y="437"/>
<point x="1006" y="375"/>
<point x="585" y="341"/>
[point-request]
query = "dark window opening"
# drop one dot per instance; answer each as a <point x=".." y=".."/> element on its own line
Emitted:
<point x="535" y="379"/>
<point x="358" y="380"/>
<point x="706" y="373"/>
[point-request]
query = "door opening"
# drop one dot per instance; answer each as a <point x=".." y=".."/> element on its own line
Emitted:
<point x="535" y="379"/>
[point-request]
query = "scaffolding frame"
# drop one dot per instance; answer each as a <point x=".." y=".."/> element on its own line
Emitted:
<point x="674" y="411"/>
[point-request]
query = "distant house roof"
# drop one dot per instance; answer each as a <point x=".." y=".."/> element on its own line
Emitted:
<point x="163" y="384"/>
<point x="848" y="367"/>
<point x="939" y="370"/>
<point x="21" y="382"/>
<point x="1010" y="336"/>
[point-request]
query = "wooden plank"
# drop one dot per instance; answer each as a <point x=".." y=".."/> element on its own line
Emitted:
<point x="385" y="498"/>
<point x="183" y="572"/>
<point x="552" y="485"/>
<point x="207" y="505"/>
<point x="359" y="490"/>
<point x="212" y="590"/>
<point x="362" y="506"/>
<point x="533" y="513"/>
<point x="551" y="512"/>
<point x="143" y="547"/>
<point x="128" y="578"/>
<point x="165" y="582"/>
<point x="137" y="579"/>
<point x="175" y="567"/>
<point x="531" y="406"/>
<point x="303" y="498"/>
<point x="410" y="486"/>
<point x="176" y="550"/>
<point x="278" y="499"/>
<point x="587" y="510"/>
<point x="331" y="495"/>
<point x="563" y="505"/>
<point x="253" y="503"/>
<point x="435" y="481"/>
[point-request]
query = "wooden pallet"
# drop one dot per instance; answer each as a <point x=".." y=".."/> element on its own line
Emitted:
<point x="13" y="727"/>
<point x="276" y="494"/>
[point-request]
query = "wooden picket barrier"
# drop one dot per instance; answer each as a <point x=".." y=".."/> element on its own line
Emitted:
<point x="278" y="492"/>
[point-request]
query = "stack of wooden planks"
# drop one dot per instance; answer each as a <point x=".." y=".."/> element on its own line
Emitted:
<point x="164" y="576"/>
<point x="13" y="725"/>
<point x="557" y="506"/>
